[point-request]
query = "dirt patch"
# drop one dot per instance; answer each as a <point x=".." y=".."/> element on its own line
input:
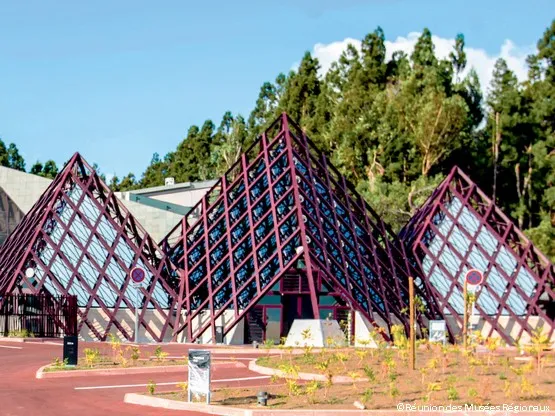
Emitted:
<point x="443" y="376"/>
<point x="110" y="356"/>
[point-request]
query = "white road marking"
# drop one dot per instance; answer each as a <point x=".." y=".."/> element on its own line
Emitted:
<point x="171" y="383"/>
<point x="42" y="343"/>
<point x="13" y="348"/>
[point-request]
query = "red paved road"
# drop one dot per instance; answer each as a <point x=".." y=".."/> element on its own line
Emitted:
<point x="21" y="394"/>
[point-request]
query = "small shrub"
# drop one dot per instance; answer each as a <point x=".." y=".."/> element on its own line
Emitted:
<point x="361" y="355"/>
<point x="432" y="387"/>
<point x="293" y="387"/>
<point x="472" y="392"/>
<point x="342" y="358"/>
<point x="151" y="387"/>
<point x="183" y="387"/>
<point x="367" y="395"/>
<point x="92" y="356"/>
<point x="369" y="373"/>
<point x="135" y="354"/>
<point x="433" y="364"/>
<point x="160" y="354"/>
<point x="311" y="389"/>
<point x="452" y="393"/>
<point x="355" y="376"/>
<point x="538" y="343"/>
<point x="502" y="376"/>
<point x="399" y="337"/>
<point x="393" y="390"/>
<point x="22" y="333"/>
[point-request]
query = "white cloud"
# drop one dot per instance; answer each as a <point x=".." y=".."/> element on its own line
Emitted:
<point x="477" y="58"/>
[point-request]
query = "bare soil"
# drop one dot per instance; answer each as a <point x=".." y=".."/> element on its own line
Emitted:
<point x="118" y="356"/>
<point x="440" y="378"/>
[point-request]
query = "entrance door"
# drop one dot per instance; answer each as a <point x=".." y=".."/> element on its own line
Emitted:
<point x="255" y="327"/>
<point x="294" y="307"/>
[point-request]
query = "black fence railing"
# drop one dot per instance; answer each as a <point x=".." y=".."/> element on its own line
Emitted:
<point x="38" y="315"/>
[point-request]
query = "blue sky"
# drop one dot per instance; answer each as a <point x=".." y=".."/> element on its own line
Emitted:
<point x="120" y="80"/>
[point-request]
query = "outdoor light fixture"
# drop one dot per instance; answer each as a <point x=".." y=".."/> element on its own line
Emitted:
<point x="262" y="397"/>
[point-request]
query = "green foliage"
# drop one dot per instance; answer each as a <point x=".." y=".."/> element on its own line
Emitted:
<point x="151" y="387"/>
<point x="160" y="354"/>
<point x="92" y="356"/>
<point x="369" y="373"/>
<point x="135" y="354"/>
<point x="399" y="337"/>
<point x="21" y="333"/>
<point x="395" y="129"/>
<point x="452" y="393"/>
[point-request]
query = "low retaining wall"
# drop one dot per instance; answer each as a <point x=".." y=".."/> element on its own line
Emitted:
<point x="267" y="371"/>
<point x="123" y="371"/>
<point x="143" y="400"/>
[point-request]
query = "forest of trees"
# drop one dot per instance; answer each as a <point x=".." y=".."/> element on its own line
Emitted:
<point x="395" y="128"/>
<point x="10" y="157"/>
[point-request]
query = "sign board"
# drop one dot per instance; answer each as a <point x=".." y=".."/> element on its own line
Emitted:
<point x="199" y="374"/>
<point x="437" y="331"/>
<point x="71" y="349"/>
<point x="474" y="277"/>
<point x="138" y="275"/>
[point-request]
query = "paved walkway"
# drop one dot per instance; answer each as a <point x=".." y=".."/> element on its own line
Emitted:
<point x="21" y="394"/>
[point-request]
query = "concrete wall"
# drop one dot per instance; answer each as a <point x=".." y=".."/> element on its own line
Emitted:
<point x="235" y="336"/>
<point x="184" y="197"/>
<point x="363" y="328"/>
<point x="157" y="222"/>
<point x="23" y="188"/>
<point x="126" y="318"/>
<point x="510" y="326"/>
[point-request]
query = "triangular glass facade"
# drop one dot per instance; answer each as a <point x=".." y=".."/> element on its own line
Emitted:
<point x="458" y="229"/>
<point x="80" y="240"/>
<point x="280" y="203"/>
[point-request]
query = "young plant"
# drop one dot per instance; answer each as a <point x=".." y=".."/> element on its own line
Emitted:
<point x="472" y="393"/>
<point x="342" y="358"/>
<point x="135" y="354"/>
<point x="183" y="387"/>
<point x="160" y="354"/>
<point x="539" y="342"/>
<point x="293" y="387"/>
<point x="367" y="396"/>
<point x="355" y="376"/>
<point x="432" y="387"/>
<point x="369" y="373"/>
<point x="91" y="356"/>
<point x="452" y="393"/>
<point x="492" y="344"/>
<point x="151" y="387"/>
<point x="361" y="356"/>
<point x="393" y="390"/>
<point x="324" y="366"/>
<point x="56" y="363"/>
<point x="526" y="388"/>
<point x="311" y="389"/>
<point x="399" y="337"/>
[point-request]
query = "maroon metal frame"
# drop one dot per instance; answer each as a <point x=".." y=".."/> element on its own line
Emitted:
<point x="328" y="225"/>
<point x="425" y="226"/>
<point x="61" y="238"/>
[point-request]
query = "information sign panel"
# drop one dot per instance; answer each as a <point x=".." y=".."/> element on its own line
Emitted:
<point x="437" y="331"/>
<point x="199" y="374"/>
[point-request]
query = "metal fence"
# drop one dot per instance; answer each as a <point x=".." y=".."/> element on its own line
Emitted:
<point x="38" y="315"/>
